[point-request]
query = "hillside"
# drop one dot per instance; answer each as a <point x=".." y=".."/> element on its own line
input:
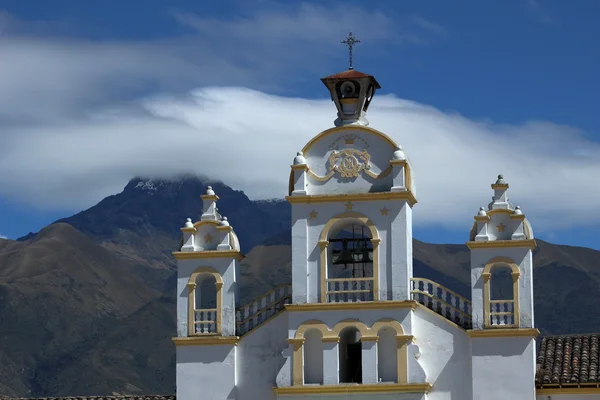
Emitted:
<point x="95" y="292"/>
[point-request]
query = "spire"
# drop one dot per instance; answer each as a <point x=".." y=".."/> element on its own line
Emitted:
<point x="500" y="199"/>
<point x="209" y="205"/>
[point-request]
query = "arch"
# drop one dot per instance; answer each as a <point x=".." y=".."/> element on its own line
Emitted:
<point x="206" y="222"/>
<point x="324" y="243"/>
<point x="350" y="346"/>
<point x="312" y="356"/>
<point x="487" y="300"/>
<point x="401" y="342"/>
<point x="348" y="323"/>
<point x="338" y="129"/>
<point x="192" y="286"/>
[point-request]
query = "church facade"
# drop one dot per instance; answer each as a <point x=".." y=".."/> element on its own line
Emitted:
<point x="355" y="323"/>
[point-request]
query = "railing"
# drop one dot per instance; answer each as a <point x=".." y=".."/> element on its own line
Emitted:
<point x="502" y="313"/>
<point x="262" y="308"/>
<point x="443" y="301"/>
<point x="348" y="290"/>
<point x="205" y="321"/>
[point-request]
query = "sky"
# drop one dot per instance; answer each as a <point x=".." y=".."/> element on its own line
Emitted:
<point x="94" y="93"/>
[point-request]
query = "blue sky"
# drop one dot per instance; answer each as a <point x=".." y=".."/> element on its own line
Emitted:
<point x="103" y="80"/>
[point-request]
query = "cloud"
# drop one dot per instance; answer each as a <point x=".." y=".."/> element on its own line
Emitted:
<point x="2" y="236"/>
<point x="248" y="139"/>
<point x="79" y="118"/>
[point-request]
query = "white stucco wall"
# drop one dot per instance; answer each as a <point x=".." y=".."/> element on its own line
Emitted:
<point x="260" y="359"/>
<point x="445" y="356"/>
<point x="205" y="372"/>
<point x="226" y="267"/>
<point x="379" y="150"/>
<point x="395" y="247"/>
<point x="503" y="368"/>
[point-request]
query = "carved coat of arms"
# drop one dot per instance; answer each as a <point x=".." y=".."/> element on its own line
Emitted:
<point x="349" y="162"/>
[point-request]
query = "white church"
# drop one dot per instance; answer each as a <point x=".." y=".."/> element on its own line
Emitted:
<point x="355" y="323"/>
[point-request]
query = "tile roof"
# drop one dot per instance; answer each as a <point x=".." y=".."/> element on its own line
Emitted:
<point x="568" y="360"/>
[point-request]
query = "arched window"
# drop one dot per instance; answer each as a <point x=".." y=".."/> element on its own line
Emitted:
<point x="350" y="264"/>
<point x="501" y="293"/>
<point x="204" y="302"/>
<point x="350" y="353"/>
<point x="313" y="357"/>
<point x="387" y="355"/>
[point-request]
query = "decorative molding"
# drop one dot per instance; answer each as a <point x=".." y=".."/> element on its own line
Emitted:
<point x="593" y="388"/>
<point x="338" y="129"/>
<point x="193" y="255"/>
<point x="495" y="333"/>
<point x="328" y="198"/>
<point x="363" y="305"/>
<point x="206" y="340"/>
<point x="354" y="388"/>
<point x="502" y="244"/>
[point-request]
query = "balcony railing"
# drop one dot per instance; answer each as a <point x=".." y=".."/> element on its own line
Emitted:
<point x="443" y="301"/>
<point x="262" y="308"/>
<point x="205" y="321"/>
<point x="348" y="290"/>
<point x="502" y="313"/>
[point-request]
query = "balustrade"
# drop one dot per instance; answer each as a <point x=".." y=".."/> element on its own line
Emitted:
<point x="442" y="300"/>
<point x="348" y="290"/>
<point x="205" y="321"/>
<point x="502" y="313"/>
<point x="260" y="309"/>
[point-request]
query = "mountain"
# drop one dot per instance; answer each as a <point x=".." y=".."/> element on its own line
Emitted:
<point x="95" y="292"/>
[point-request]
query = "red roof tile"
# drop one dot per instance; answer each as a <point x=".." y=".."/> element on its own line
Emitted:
<point x="351" y="74"/>
<point x="568" y="360"/>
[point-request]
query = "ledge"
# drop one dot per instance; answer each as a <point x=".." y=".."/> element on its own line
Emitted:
<point x="193" y="255"/>
<point x="354" y="388"/>
<point x="491" y="244"/>
<point x="576" y="389"/>
<point x="206" y="340"/>
<point x="359" y="305"/>
<point x="494" y="333"/>
<point x="324" y="198"/>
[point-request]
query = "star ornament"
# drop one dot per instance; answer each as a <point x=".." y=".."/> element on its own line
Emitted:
<point x="313" y="214"/>
<point x="500" y="228"/>
<point x="384" y="211"/>
<point x="208" y="238"/>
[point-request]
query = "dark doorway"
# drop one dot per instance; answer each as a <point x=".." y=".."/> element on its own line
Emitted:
<point x="350" y="356"/>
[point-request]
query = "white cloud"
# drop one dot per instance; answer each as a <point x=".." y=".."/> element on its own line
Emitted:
<point x="80" y="118"/>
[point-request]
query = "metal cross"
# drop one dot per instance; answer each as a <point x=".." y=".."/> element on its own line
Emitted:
<point x="350" y="41"/>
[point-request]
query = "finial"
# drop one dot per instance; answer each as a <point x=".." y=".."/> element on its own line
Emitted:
<point x="350" y="41"/>
<point x="481" y="212"/>
<point x="209" y="191"/>
<point x="224" y="222"/>
<point x="188" y="223"/>
<point x="299" y="159"/>
<point x="500" y="180"/>
<point x="518" y="211"/>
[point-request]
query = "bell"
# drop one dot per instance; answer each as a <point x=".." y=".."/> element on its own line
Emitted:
<point x="344" y="257"/>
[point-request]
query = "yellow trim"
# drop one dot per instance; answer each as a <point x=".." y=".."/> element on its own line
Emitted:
<point x="487" y="292"/>
<point x="502" y="243"/>
<point x="206" y="222"/>
<point x="354" y="388"/>
<point x="189" y="230"/>
<point x="363" y="305"/>
<point x="325" y="198"/>
<point x="209" y="197"/>
<point x="338" y="129"/>
<point x="301" y="167"/>
<point x="192" y="285"/>
<point x="575" y="389"/>
<point x="297" y="362"/>
<point x="194" y="255"/>
<point x="495" y="333"/>
<point x="205" y="340"/>
<point x="323" y="243"/>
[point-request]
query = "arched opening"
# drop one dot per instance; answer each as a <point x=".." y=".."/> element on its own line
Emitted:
<point x="387" y="357"/>
<point x="313" y="357"/>
<point x="350" y="267"/>
<point x="205" y="304"/>
<point x="501" y="295"/>
<point x="350" y="353"/>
